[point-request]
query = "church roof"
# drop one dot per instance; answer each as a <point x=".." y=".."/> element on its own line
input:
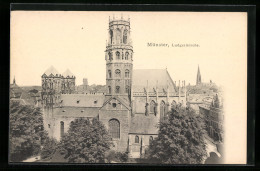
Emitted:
<point x="67" y="73"/>
<point x="76" y="112"/>
<point x="141" y="124"/>
<point x="52" y="71"/>
<point x="159" y="78"/>
<point x="82" y="100"/>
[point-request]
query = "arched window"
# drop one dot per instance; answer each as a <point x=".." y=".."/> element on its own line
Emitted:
<point x="136" y="139"/>
<point x="150" y="140"/>
<point x="109" y="90"/>
<point x="117" y="89"/>
<point x="127" y="73"/>
<point x="127" y="89"/>
<point x="118" y="73"/>
<point x="125" y="37"/>
<point x="109" y="74"/>
<point x="61" y="128"/>
<point x="162" y="110"/>
<point x="126" y="55"/>
<point x="114" y="128"/>
<point x="111" y="36"/>
<point x="117" y="55"/>
<point x="152" y="107"/>
<point x="110" y="56"/>
<point x="118" y="36"/>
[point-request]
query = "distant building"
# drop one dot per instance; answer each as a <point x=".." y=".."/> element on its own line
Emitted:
<point x="214" y="118"/>
<point x="24" y="97"/>
<point x="54" y="84"/>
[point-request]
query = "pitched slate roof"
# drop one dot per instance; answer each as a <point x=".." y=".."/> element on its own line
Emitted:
<point x="141" y="124"/>
<point x="159" y="78"/>
<point x="82" y="100"/>
<point x="67" y="73"/>
<point x="52" y="71"/>
<point x="76" y="112"/>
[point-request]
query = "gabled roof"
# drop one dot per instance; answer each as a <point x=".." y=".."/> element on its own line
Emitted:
<point x="82" y="100"/>
<point x="126" y="103"/>
<point x="67" y="73"/>
<point x="50" y="71"/>
<point x="89" y="112"/>
<point x="159" y="78"/>
<point x="141" y="124"/>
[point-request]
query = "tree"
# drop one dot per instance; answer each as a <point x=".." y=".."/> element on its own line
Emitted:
<point x="86" y="142"/>
<point x="49" y="147"/>
<point x="180" y="139"/>
<point x="25" y="131"/>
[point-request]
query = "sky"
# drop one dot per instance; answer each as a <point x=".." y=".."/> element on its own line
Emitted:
<point x="77" y="40"/>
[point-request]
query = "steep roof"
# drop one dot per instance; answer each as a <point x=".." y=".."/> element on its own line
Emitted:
<point x="76" y="112"/>
<point x="159" y="78"/>
<point x="141" y="124"/>
<point x="51" y="70"/>
<point x="67" y="73"/>
<point x="82" y="100"/>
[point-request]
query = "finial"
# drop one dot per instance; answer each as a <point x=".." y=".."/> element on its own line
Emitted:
<point x="14" y="80"/>
<point x="109" y="18"/>
<point x="113" y="16"/>
<point x="121" y="16"/>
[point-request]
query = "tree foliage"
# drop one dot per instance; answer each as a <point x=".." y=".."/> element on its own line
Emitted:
<point x="180" y="139"/>
<point x="49" y="147"/>
<point x="25" y="131"/>
<point x="86" y="142"/>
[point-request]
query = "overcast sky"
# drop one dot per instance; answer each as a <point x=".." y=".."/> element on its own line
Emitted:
<point x="77" y="40"/>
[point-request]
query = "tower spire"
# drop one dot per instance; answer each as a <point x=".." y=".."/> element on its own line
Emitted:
<point x="198" y="76"/>
<point x="14" y="80"/>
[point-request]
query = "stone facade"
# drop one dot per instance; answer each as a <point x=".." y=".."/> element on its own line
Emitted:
<point x="214" y="118"/>
<point x="134" y="103"/>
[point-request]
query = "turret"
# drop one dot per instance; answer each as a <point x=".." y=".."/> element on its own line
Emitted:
<point x="119" y="52"/>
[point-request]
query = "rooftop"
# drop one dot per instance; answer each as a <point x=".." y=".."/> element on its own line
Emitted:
<point x="152" y="78"/>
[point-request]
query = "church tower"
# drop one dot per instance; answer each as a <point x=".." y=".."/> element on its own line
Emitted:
<point x="198" y="76"/>
<point x="119" y="58"/>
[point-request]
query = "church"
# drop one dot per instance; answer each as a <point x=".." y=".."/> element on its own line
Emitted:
<point x="133" y="105"/>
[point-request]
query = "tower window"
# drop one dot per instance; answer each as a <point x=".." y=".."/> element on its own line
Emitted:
<point x="125" y="37"/>
<point x="126" y="89"/>
<point x="117" y="89"/>
<point x="77" y="101"/>
<point x="114" y="105"/>
<point x="109" y="90"/>
<point x="136" y="139"/>
<point x="117" y="55"/>
<point x="127" y="73"/>
<point x="126" y="55"/>
<point x="61" y="128"/>
<point x="109" y="74"/>
<point x="118" y="73"/>
<point x="110" y="56"/>
<point x="114" y="128"/>
<point x="118" y="36"/>
<point x="111" y="36"/>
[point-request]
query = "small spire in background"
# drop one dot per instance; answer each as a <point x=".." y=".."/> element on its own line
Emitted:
<point x="14" y="80"/>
